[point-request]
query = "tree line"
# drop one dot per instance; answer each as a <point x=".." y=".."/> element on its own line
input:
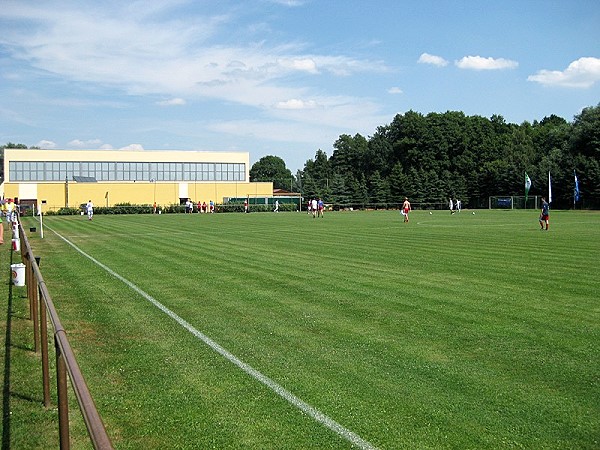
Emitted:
<point x="430" y="158"/>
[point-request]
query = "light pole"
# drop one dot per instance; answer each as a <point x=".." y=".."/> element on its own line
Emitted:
<point x="153" y="181"/>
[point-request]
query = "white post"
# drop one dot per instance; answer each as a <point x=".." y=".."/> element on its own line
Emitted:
<point x="41" y="223"/>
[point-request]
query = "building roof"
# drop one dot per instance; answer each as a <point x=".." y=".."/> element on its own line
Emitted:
<point x="284" y="193"/>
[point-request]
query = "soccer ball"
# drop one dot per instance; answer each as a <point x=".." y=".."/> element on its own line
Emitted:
<point x="473" y="212"/>
<point x="430" y="213"/>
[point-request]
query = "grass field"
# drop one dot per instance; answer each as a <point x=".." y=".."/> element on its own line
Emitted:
<point x="464" y="331"/>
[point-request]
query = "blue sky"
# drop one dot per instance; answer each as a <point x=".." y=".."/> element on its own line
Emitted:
<point x="282" y="77"/>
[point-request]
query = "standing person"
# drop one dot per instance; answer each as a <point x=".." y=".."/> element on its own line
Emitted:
<point x="211" y="205"/>
<point x="2" y="213"/>
<point x="321" y="207"/>
<point x="276" y="206"/>
<point x="545" y="214"/>
<point x="451" y="204"/>
<point x="10" y="206"/>
<point x="246" y="205"/>
<point x="199" y="207"/>
<point x="457" y="205"/>
<point x="154" y="208"/>
<point x="405" y="209"/>
<point x="90" y="209"/>
<point x="313" y="207"/>
<point x="308" y="206"/>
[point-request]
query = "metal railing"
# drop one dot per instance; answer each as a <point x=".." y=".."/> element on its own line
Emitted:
<point x="41" y="307"/>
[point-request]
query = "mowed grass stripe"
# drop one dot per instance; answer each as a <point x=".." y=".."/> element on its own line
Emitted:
<point x="431" y="331"/>
<point x="160" y="379"/>
<point x="343" y="432"/>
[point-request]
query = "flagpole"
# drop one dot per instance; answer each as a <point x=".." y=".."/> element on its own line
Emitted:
<point x="575" y="190"/>
<point x="549" y="188"/>
<point x="527" y="186"/>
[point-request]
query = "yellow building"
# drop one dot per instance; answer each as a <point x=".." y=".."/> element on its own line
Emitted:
<point x="69" y="178"/>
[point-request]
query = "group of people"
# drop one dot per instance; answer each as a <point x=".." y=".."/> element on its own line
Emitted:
<point x="455" y="205"/>
<point x="544" y="214"/>
<point x="200" y="208"/>
<point x="316" y="207"/>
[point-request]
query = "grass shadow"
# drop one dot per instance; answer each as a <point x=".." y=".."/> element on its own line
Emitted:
<point x="7" y="357"/>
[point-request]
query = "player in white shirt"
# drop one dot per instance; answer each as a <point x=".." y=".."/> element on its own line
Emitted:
<point x="90" y="209"/>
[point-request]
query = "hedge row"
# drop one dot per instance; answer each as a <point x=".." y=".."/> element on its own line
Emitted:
<point x="126" y="208"/>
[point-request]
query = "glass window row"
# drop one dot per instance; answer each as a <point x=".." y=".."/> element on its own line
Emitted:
<point x="125" y="171"/>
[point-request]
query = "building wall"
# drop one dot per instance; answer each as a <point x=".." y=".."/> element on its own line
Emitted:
<point x="58" y="194"/>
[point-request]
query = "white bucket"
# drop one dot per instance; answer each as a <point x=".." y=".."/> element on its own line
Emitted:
<point x="16" y="245"/>
<point x="18" y="274"/>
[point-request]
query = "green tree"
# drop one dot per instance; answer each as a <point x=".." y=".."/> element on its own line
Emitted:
<point x="584" y="152"/>
<point x="586" y="133"/>
<point x="349" y="155"/>
<point x="399" y="184"/>
<point x="440" y="155"/>
<point x="272" y="168"/>
<point x="379" y="189"/>
<point x="341" y="191"/>
<point x="358" y="190"/>
<point x="316" y="177"/>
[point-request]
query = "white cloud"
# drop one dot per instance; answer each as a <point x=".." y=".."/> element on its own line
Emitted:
<point x="395" y="90"/>
<point x="46" y="145"/>
<point x="275" y="130"/>
<point x="582" y="73"/>
<point x="426" y="58"/>
<point x="481" y="63"/>
<point x="331" y="117"/>
<point x="295" y="103"/>
<point x="133" y="147"/>
<point x="106" y="147"/>
<point x="167" y="58"/>
<point x="172" y="102"/>
<point x="300" y="64"/>
<point x="129" y="48"/>
<point x="78" y="143"/>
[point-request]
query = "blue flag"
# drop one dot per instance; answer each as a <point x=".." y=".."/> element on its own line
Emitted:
<point x="576" y="191"/>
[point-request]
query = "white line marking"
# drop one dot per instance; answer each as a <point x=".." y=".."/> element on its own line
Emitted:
<point x="350" y="436"/>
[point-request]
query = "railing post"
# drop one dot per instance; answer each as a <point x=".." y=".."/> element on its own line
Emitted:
<point x="32" y="287"/>
<point x="45" y="360"/>
<point x="66" y="364"/>
<point x="63" y="398"/>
